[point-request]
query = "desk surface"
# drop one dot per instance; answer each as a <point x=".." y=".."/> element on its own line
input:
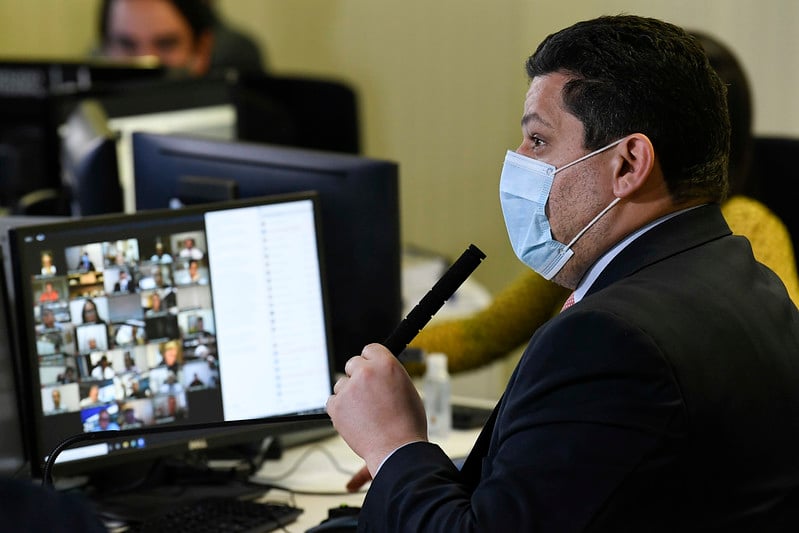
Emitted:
<point x="323" y="468"/>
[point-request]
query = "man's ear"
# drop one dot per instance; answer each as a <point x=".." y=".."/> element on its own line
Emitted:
<point x="633" y="164"/>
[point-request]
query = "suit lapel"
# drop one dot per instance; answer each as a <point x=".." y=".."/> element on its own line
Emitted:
<point x="684" y="231"/>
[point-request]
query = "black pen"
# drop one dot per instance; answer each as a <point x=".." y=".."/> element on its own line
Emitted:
<point x="443" y="290"/>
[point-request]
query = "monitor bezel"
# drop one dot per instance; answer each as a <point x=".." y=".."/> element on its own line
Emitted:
<point x="204" y="436"/>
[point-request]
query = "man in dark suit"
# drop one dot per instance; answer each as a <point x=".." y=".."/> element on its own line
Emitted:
<point x="84" y="263"/>
<point x="124" y="283"/>
<point x="665" y="397"/>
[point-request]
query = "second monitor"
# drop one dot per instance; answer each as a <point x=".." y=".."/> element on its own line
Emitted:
<point x="359" y="199"/>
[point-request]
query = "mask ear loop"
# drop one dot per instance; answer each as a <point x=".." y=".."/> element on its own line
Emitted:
<point x="592" y="154"/>
<point x="593" y="221"/>
<point x="608" y="208"/>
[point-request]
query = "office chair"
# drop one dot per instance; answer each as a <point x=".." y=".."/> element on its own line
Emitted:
<point x="773" y="171"/>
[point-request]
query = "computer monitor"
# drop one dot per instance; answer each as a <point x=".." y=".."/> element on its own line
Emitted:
<point x="196" y="106"/>
<point x="89" y="163"/>
<point x="281" y="110"/>
<point x="359" y="199"/>
<point x="35" y="98"/>
<point x="204" y="315"/>
<point x="96" y="135"/>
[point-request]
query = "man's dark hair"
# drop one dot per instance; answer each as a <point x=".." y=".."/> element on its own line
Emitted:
<point x="197" y="13"/>
<point x="639" y="75"/>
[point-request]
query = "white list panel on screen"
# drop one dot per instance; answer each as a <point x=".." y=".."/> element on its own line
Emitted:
<point x="267" y="293"/>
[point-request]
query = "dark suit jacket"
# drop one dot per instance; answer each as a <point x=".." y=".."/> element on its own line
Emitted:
<point x="666" y="400"/>
<point x="131" y="287"/>
<point x="26" y="507"/>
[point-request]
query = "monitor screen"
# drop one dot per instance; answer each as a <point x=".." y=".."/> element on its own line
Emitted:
<point x="359" y="201"/>
<point x="202" y="315"/>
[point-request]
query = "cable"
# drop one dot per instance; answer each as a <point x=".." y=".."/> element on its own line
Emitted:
<point x="270" y="481"/>
<point x="314" y="448"/>
<point x="300" y="492"/>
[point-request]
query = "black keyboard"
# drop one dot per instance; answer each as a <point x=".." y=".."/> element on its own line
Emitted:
<point x="221" y="514"/>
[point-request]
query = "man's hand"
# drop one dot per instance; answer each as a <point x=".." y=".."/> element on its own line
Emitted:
<point x="375" y="407"/>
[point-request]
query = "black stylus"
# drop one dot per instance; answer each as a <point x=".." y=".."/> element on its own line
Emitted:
<point x="442" y="291"/>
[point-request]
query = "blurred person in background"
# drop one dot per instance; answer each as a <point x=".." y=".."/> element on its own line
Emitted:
<point x="187" y="36"/>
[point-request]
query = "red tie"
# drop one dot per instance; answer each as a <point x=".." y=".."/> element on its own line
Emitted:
<point x="568" y="303"/>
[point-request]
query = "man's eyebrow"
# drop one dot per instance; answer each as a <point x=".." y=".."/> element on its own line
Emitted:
<point x="535" y="117"/>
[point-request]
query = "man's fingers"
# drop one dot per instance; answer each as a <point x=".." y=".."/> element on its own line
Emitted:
<point x="351" y="364"/>
<point x="338" y="385"/>
<point x="371" y="350"/>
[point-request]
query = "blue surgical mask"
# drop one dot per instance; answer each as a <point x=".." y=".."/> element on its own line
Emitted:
<point x="523" y="192"/>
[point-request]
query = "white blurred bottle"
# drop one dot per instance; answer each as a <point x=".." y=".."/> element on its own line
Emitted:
<point x="436" y="392"/>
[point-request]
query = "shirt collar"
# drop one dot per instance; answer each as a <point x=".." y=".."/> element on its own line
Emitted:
<point x="597" y="268"/>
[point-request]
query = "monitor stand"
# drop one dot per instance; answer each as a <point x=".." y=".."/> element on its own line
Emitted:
<point x="146" y="489"/>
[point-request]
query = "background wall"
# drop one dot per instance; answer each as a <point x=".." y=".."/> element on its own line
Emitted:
<point x="441" y="82"/>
